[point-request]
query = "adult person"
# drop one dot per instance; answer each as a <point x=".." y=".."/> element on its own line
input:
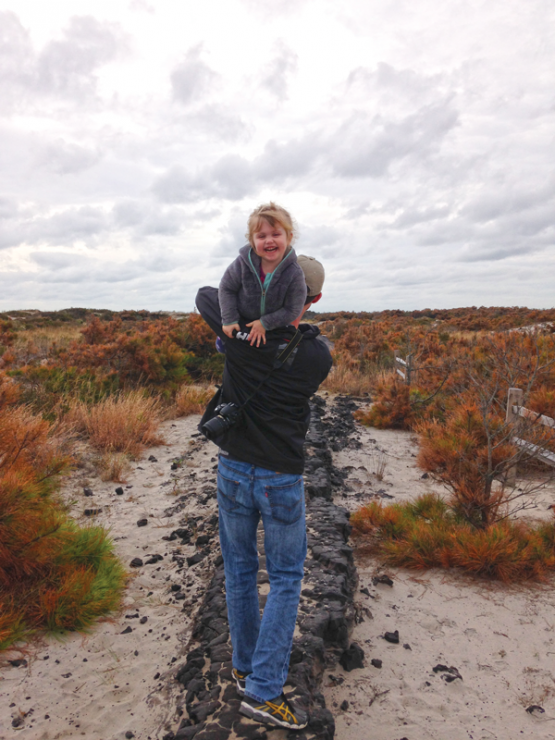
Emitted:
<point x="260" y="469"/>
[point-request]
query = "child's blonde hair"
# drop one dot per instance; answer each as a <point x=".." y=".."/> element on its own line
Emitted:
<point x="272" y="213"/>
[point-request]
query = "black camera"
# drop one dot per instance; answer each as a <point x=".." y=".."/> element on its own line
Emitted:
<point x="226" y="416"/>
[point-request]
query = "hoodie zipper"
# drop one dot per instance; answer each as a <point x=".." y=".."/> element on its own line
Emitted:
<point x="264" y="286"/>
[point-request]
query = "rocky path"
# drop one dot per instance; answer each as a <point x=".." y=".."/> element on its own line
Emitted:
<point x="209" y="702"/>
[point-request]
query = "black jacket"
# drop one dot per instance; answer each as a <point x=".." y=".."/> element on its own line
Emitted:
<point x="271" y="429"/>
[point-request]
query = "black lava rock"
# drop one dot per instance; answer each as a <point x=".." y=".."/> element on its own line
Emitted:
<point x="119" y="491"/>
<point x="127" y="630"/>
<point x="142" y="522"/>
<point x="18" y="663"/>
<point x="376" y="662"/>
<point x="386" y="580"/>
<point x="136" y="563"/>
<point x="352" y="658"/>
<point x="88" y="492"/>
<point x="392" y="637"/>
<point x="344" y="705"/>
<point x="152" y="458"/>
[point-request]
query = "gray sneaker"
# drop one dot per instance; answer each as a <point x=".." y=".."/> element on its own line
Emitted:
<point x="276" y="711"/>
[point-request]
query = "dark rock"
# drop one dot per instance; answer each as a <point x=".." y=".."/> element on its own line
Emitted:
<point x="142" y="522"/>
<point x="535" y="709"/>
<point x="92" y="512"/>
<point x="143" y="620"/>
<point x="129" y="735"/>
<point x="407" y="646"/>
<point x="352" y="658"/>
<point x="450" y="672"/>
<point x="386" y="580"/>
<point x="204" y="539"/>
<point x="154" y="559"/>
<point x="187" y="733"/>
<point x="392" y="637"/>
<point x="88" y="492"/>
<point x="376" y="662"/>
<point x="424" y="476"/>
<point x="199" y="712"/>
<point x="127" y="630"/>
<point x="18" y="663"/>
<point x="344" y="705"/>
<point x="174" y="466"/>
<point x="365" y="591"/>
<point x="119" y="491"/>
<point x="152" y="458"/>
<point x="17" y="721"/>
<point x="136" y="563"/>
<point x="175" y="587"/>
<point x="196" y="558"/>
<point x="213" y="732"/>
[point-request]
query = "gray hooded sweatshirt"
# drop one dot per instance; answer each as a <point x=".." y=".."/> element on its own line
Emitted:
<point x="276" y="302"/>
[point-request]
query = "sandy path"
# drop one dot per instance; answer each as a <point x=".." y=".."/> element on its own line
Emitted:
<point x="500" y="639"/>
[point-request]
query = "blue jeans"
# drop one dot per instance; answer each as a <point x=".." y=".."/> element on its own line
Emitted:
<point x="261" y="647"/>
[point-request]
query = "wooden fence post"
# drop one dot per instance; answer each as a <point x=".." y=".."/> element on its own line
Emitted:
<point x="514" y="398"/>
<point x="409" y="377"/>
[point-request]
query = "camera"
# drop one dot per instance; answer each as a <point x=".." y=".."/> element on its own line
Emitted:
<point x="226" y="416"/>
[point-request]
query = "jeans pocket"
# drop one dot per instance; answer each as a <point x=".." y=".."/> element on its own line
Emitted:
<point x="227" y="492"/>
<point x="286" y="501"/>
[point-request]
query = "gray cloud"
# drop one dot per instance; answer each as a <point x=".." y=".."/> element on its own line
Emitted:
<point x="65" y="157"/>
<point x="366" y="147"/>
<point x="67" y="66"/>
<point x="192" y="79"/>
<point x="275" y="78"/>
<point x="64" y="68"/>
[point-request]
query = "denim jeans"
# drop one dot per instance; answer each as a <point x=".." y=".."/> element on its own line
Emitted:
<point x="261" y="647"/>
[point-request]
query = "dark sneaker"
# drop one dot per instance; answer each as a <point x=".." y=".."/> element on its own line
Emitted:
<point x="277" y="712"/>
<point x="240" y="679"/>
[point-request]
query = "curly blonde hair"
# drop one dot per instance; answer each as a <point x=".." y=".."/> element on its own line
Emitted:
<point x="272" y="213"/>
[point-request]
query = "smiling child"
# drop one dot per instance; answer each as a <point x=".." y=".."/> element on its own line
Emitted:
<point x="265" y="285"/>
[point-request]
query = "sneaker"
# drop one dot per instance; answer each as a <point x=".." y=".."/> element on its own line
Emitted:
<point x="276" y="711"/>
<point x="240" y="681"/>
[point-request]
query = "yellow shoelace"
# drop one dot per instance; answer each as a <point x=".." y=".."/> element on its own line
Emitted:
<point x="281" y="710"/>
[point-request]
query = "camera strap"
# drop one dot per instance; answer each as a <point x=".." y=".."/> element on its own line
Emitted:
<point x="279" y="361"/>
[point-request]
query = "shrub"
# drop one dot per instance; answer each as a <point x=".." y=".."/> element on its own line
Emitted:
<point x="124" y="423"/>
<point x="53" y="575"/>
<point x="428" y="533"/>
<point x="191" y="399"/>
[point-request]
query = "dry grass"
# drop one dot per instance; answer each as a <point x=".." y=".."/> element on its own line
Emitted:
<point x="343" y="379"/>
<point x="48" y="337"/>
<point x="114" y="466"/>
<point x="192" y="399"/>
<point x="125" y="423"/>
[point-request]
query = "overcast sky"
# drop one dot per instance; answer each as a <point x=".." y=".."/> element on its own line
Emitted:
<point x="412" y="140"/>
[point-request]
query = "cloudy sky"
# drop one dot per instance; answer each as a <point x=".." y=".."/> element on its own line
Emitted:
<point x="412" y="141"/>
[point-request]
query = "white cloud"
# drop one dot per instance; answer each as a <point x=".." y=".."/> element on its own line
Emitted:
<point x="410" y="141"/>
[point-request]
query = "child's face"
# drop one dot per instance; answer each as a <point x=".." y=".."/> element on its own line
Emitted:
<point x="271" y="242"/>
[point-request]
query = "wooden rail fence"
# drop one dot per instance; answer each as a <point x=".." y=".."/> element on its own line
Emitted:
<point x="515" y="410"/>
<point x="408" y="373"/>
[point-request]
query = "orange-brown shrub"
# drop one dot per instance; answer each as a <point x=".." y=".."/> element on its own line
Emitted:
<point x="52" y="574"/>
<point x="427" y="533"/>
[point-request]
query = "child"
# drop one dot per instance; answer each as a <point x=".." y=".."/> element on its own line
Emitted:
<point x="265" y="285"/>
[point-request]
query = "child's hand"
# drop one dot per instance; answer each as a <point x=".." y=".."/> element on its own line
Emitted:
<point x="257" y="332"/>
<point x="230" y="328"/>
